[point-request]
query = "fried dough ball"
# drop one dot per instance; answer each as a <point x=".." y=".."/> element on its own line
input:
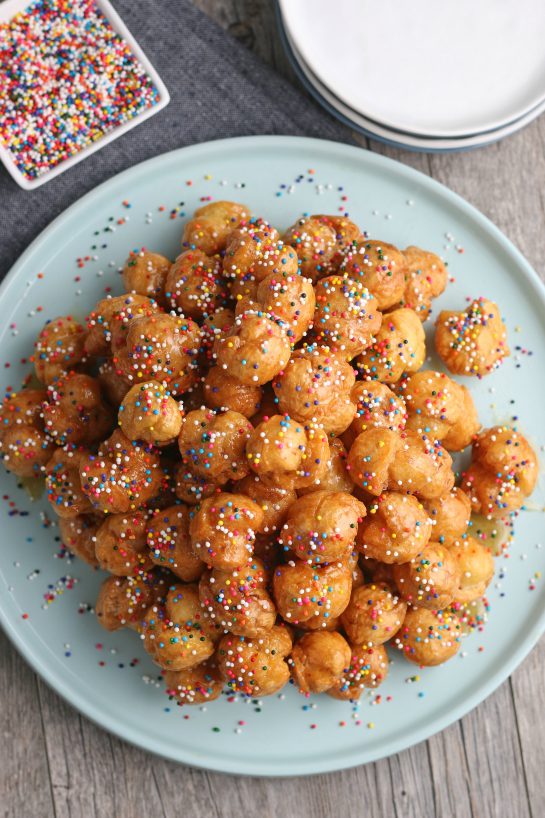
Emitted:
<point x="114" y="312"/>
<point x="122" y="476"/>
<point x="315" y="243"/>
<point x="441" y="408"/>
<point x="211" y="226"/>
<point x="368" y="668"/>
<point x="336" y="477"/>
<point x="430" y="580"/>
<point x="194" y="284"/>
<point x="274" y="501"/>
<point x="149" y="413"/>
<point x="121" y="546"/>
<point x="218" y="324"/>
<point x="289" y="297"/>
<point x="145" y="273"/>
<point x="399" y="346"/>
<point x="255" y="350"/>
<point x="194" y="685"/>
<point x="213" y="444"/>
<point x="123" y="601"/>
<point x="286" y="453"/>
<point x="62" y="482"/>
<point x="113" y="382"/>
<point x="346" y="316"/>
<point x="428" y="638"/>
<point x="476" y="569"/>
<point x="58" y="348"/>
<point x="238" y="600"/>
<point x="449" y="516"/>
<point x="503" y="472"/>
<point x="315" y="386"/>
<point x="74" y="411"/>
<point x="25" y="448"/>
<point x="322" y="526"/>
<point x="167" y="535"/>
<point x="377" y="407"/>
<point x="374" y="614"/>
<point x="318" y="660"/>
<point x="425" y="279"/>
<point x="255" y="666"/>
<point x="347" y="235"/>
<point x="221" y="391"/>
<point x="318" y="592"/>
<point x="381" y="268"/>
<point x="164" y="348"/>
<point x="396" y="529"/>
<point x="179" y="635"/>
<point x="190" y="487"/>
<point x="78" y="536"/>
<point x="472" y="341"/>
<point x="381" y="459"/>
<point x="254" y="251"/>
<point x="223" y="530"/>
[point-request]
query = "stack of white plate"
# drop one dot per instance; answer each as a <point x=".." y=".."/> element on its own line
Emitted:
<point x="429" y="75"/>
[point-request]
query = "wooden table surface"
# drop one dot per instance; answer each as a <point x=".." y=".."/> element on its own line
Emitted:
<point x="53" y="762"/>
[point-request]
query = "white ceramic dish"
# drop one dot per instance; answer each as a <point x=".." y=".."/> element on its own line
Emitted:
<point x="8" y="9"/>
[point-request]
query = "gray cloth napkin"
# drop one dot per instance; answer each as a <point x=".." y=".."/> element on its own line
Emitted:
<point x="218" y="89"/>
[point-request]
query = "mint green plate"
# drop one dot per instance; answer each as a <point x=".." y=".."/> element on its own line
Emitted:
<point x="44" y="598"/>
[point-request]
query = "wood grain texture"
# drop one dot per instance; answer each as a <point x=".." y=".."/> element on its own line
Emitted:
<point x="56" y="763"/>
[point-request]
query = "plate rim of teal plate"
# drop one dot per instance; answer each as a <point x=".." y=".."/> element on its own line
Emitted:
<point x="16" y="632"/>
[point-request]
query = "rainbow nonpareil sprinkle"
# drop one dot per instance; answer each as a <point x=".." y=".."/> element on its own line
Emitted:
<point x="66" y="79"/>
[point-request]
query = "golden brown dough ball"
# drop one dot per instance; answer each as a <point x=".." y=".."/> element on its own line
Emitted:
<point x="347" y="235"/>
<point x="74" y="411"/>
<point x="179" y="635"/>
<point x="425" y="279"/>
<point x="346" y="317"/>
<point x="62" y="482"/>
<point x="286" y="453"/>
<point x="122" y="476"/>
<point x="255" y="666"/>
<point x="78" y="536"/>
<point x="114" y="312"/>
<point x="164" y="348"/>
<point x="194" y="284"/>
<point x="145" y="273"/>
<point x="377" y="407"/>
<point x="374" y="614"/>
<point x="430" y="580"/>
<point x="368" y="668"/>
<point x="380" y="267"/>
<point x="190" y="487"/>
<point x="123" y="601"/>
<point x="315" y="386"/>
<point x="428" y="638"/>
<point x="399" y="346"/>
<point x="274" y="501"/>
<point x="318" y="592"/>
<point x="476" y="569"/>
<point x="113" y="382"/>
<point x="315" y="243"/>
<point x="318" y="660"/>
<point x="255" y="350"/>
<point x="167" y="535"/>
<point x="213" y="444"/>
<point x="194" y="685"/>
<point x="336" y="477"/>
<point x="503" y="472"/>
<point x="472" y="341"/>
<point x="59" y="348"/>
<point x="121" y="546"/>
<point x="290" y="298"/>
<point x="24" y="446"/>
<point x="223" y="530"/>
<point x="396" y="529"/>
<point x="238" y="600"/>
<point x="322" y="526"/>
<point x="253" y="250"/>
<point x="149" y="413"/>
<point x="212" y="225"/>
<point x="441" y="408"/>
<point x="221" y="391"/>
<point x="449" y="516"/>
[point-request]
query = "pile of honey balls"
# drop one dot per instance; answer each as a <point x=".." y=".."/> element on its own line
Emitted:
<point x="246" y="441"/>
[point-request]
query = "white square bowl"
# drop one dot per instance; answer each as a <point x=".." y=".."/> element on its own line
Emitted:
<point x="8" y="9"/>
